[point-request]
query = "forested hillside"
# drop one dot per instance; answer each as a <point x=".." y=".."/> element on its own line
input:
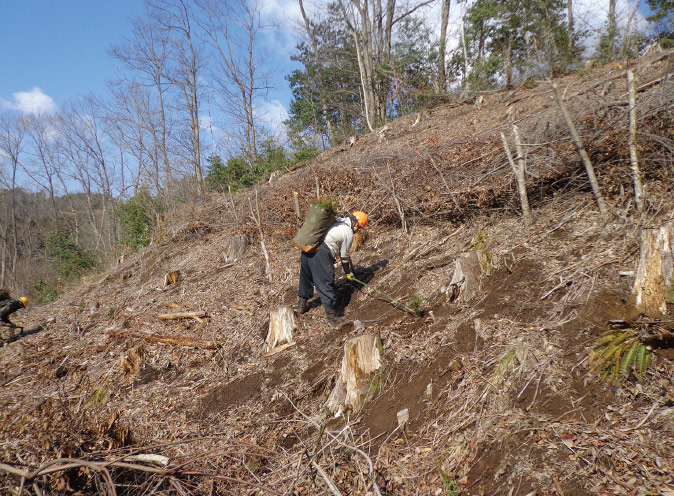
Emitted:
<point x="516" y="351"/>
<point x="187" y="109"/>
<point x="511" y="326"/>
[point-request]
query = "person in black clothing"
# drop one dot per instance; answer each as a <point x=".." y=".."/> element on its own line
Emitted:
<point x="317" y="269"/>
<point x="8" y="306"/>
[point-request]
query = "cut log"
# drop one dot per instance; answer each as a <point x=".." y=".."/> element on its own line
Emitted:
<point x="654" y="284"/>
<point x="236" y="248"/>
<point x="281" y="327"/>
<point x="358" y="377"/>
<point x="182" y="315"/>
<point x="465" y="282"/>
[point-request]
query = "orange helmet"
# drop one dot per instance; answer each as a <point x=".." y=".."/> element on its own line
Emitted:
<point x="361" y="217"/>
<point x="25" y="301"/>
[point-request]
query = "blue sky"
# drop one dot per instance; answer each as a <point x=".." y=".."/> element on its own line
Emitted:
<point x="60" y="46"/>
<point x="55" y="50"/>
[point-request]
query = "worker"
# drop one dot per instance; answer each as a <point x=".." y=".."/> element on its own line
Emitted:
<point x="317" y="269"/>
<point x="8" y="306"/>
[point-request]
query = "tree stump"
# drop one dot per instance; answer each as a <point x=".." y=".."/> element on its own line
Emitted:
<point x="654" y="284"/>
<point x="171" y="278"/>
<point x="358" y="241"/>
<point x="357" y="380"/>
<point x="465" y="282"/>
<point x="236" y="248"/>
<point x="281" y="327"/>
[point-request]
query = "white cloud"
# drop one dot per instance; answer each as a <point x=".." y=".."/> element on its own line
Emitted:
<point x="34" y="101"/>
<point x="282" y="19"/>
<point x="272" y="114"/>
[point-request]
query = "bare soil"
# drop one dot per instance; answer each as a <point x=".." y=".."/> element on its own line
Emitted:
<point x="499" y="389"/>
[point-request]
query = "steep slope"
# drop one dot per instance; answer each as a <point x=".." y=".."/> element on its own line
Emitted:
<point x="511" y="407"/>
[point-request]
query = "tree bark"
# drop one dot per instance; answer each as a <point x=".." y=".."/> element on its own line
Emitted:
<point x="444" y="21"/>
<point x="654" y="284"/>
<point x="611" y="29"/>
<point x="634" y="158"/>
<point x="281" y="327"/>
<point x="236" y="247"/>
<point x="360" y="364"/>
<point x="569" y="26"/>
<point x="518" y="169"/>
<point x="465" y="283"/>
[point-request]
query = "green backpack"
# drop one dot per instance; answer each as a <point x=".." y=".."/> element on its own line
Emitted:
<point x="316" y="224"/>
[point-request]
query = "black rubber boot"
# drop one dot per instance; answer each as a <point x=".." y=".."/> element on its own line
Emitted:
<point x="301" y="305"/>
<point x="332" y="316"/>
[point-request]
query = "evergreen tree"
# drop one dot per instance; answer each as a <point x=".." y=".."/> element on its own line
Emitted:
<point x="663" y="18"/>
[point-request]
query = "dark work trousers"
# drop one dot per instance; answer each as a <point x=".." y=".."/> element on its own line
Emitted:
<point x="318" y="270"/>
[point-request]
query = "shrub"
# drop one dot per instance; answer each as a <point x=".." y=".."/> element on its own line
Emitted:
<point x="46" y="291"/>
<point x="67" y="256"/>
<point x="137" y="218"/>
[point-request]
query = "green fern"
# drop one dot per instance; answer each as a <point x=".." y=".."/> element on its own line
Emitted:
<point x="618" y="352"/>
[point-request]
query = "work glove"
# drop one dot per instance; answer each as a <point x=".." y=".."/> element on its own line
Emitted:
<point x="350" y="276"/>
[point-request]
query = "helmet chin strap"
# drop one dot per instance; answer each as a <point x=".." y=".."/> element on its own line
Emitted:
<point x="353" y="220"/>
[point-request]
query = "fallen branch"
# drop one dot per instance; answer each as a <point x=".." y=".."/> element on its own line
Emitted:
<point x="154" y="338"/>
<point x="181" y="315"/>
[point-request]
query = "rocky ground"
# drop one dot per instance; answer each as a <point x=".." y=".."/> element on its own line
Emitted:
<point x="500" y="389"/>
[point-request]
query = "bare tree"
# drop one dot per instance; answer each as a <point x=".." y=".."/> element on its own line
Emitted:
<point x="42" y="170"/>
<point x="612" y="30"/>
<point x="444" y="21"/>
<point x="371" y="27"/>
<point x="174" y="18"/>
<point x="131" y="123"/>
<point x="314" y="46"/>
<point x="146" y="53"/>
<point x="12" y="132"/>
<point x="232" y="29"/>
<point x="80" y="130"/>
<point x="569" y="26"/>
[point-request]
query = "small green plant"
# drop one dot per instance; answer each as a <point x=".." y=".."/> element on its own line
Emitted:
<point x="618" y="352"/>
<point x="417" y="306"/>
<point x="507" y="363"/>
<point x="479" y="241"/>
<point x="99" y="397"/>
<point x="327" y="204"/>
<point x="451" y="486"/>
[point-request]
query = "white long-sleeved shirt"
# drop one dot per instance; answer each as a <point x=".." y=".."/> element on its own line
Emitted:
<point x="339" y="238"/>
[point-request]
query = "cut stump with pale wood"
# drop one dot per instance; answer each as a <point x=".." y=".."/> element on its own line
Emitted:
<point x="236" y="248"/>
<point x="281" y="327"/>
<point x="357" y="378"/>
<point x="654" y="284"/>
<point x="468" y="272"/>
